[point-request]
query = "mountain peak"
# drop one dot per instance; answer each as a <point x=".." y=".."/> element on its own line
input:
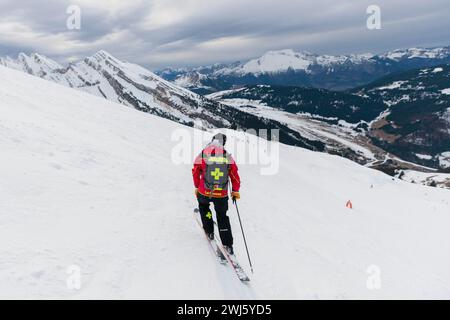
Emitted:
<point x="104" y="55"/>
<point x="34" y="63"/>
<point x="275" y="61"/>
<point x="287" y="52"/>
<point x="44" y="60"/>
<point x="418" y="52"/>
<point x="278" y="60"/>
<point x="22" y="56"/>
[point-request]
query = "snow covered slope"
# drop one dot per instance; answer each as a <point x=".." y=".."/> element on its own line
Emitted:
<point x="276" y="61"/>
<point x="90" y="183"/>
<point x="127" y="83"/>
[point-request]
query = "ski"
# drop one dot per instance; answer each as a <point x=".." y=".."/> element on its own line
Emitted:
<point x="221" y="253"/>
<point x="213" y="243"/>
<point x="231" y="258"/>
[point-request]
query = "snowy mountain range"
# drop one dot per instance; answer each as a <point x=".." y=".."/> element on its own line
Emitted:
<point x="288" y="67"/>
<point x="81" y="192"/>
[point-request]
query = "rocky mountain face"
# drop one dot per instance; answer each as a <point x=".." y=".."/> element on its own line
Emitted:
<point x="291" y="68"/>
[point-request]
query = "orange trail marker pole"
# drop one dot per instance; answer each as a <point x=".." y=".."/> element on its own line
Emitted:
<point x="349" y="204"/>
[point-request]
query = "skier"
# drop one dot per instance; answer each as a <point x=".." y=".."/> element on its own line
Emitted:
<point x="212" y="170"/>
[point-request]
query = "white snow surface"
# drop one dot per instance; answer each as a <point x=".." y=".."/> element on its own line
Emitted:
<point x="34" y="64"/>
<point x="425" y="177"/>
<point x="88" y="182"/>
<point x="424" y="156"/>
<point x="393" y="85"/>
<point x="281" y="60"/>
<point x="444" y="159"/>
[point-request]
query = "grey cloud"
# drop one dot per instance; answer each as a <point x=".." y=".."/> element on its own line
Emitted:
<point x="323" y="26"/>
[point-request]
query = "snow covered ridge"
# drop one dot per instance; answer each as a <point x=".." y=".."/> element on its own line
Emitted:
<point x="283" y="60"/>
<point x="34" y="64"/>
<point x="272" y="62"/>
<point x="134" y="86"/>
<point x="422" y="53"/>
<point x="303" y="68"/>
<point x="276" y="61"/>
<point x="106" y="76"/>
<point x="81" y="185"/>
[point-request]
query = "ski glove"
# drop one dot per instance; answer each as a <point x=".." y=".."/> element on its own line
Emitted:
<point x="196" y="192"/>
<point x="235" y="195"/>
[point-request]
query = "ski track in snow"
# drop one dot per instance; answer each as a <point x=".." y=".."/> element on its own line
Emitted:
<point x="88" y="182"/>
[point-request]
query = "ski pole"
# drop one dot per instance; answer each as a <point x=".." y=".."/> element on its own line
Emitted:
<point x="243" y="234"/>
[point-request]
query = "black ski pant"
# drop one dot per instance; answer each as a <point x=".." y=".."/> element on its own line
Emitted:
<point x="223" y="221"/>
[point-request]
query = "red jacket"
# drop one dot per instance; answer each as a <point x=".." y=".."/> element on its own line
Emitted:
<point x="200" y="168"/>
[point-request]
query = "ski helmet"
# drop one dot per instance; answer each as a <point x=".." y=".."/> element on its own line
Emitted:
<point x="221" y="138"/>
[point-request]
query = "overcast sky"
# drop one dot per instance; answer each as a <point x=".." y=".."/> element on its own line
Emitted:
<point x="158" y="33"/>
